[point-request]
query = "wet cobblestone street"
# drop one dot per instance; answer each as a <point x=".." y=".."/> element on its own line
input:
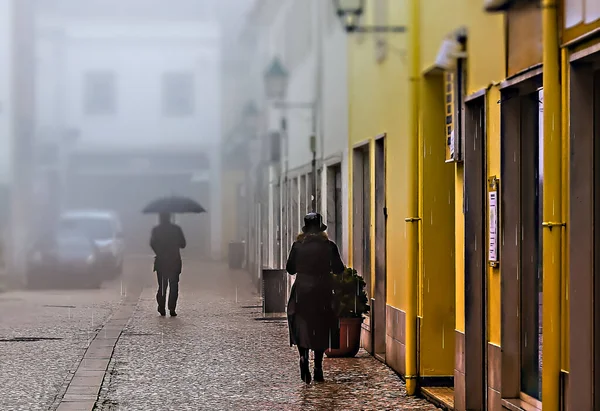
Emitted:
<point x="216" y="355"/>
<point x="32" y="373"/>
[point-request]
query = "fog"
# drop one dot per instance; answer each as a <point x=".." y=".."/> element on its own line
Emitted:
<point x="109" y="104"/>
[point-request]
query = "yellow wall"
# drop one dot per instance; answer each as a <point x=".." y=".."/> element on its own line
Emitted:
<point x="485" y="66"/>
<point x="437" y="266"/>
<point x="486" y="59"/>
<point x="493" y="164"/>
<point x="377" y="105"/>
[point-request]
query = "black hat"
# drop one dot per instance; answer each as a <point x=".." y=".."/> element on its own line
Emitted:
<point x="313" y="220"/>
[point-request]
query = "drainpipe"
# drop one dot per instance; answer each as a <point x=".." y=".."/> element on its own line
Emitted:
<point x="553" y="224"/>
<point x="412" y="221"/>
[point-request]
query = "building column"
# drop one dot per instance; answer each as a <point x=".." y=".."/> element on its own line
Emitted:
<point x="23" y="103"/>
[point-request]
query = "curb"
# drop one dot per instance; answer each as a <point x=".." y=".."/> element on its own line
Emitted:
<point x="82" y="390"/>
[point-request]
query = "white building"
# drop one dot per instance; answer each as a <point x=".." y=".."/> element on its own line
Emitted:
<point x="128" y="108"/>
<point x="308" y="40"/>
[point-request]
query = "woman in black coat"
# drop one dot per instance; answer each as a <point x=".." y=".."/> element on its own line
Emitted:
<point x="312" y="320"/>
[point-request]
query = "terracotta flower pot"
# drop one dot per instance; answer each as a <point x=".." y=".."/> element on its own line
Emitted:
<point x="350" y="329"/>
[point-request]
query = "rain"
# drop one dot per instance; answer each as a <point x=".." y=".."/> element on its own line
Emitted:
<point x="135" y="210"/>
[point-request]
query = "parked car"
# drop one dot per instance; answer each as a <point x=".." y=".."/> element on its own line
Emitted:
<point x="64" y="258"/>
<point x="104" y="228"/>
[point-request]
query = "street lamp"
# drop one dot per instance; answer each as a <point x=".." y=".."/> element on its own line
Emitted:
<point x="276" y="83"/>
<point x="350" y="12"/>
<point x="276" y="80"/>
<point x="250" y="118"/>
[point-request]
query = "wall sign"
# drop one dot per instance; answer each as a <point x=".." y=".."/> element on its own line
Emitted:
<point x="493" y="232"/>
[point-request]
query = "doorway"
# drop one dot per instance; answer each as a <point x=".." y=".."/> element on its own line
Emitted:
<point x="295" y="217"/>
<point x="361" y="222"/>
<point x="471" y="345"/>
<point x="521" y="190"/>
<point x="584" y="235"/>
<point x="380" y="294"/>
<point x="334" y="204"/>
<point x="303" y="199"/>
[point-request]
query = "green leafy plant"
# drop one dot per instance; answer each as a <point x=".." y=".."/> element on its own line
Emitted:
<point x="350" y="295"/>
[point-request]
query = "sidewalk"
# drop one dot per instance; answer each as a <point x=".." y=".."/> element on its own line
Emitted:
<point x="216" y="356"/>
<point x="43" y="335"/>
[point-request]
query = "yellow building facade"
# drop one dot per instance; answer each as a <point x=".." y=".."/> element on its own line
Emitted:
<point x="437" y="322"/>
<point x="474" y="205"/>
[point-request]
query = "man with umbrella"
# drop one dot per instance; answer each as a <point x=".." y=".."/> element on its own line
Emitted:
<point x="167" y="240"/>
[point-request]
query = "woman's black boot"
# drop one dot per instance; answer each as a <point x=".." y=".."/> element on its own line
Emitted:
<point x="319" y="366"/>
<point x="319" y="375"/>
<point x="304" y="366"/>
<point x="304" y="370"/>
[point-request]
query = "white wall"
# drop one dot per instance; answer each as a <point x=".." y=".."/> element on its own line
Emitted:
<point x="138" y="55"/>
<point x="335" y="84"/>
<point x="309" y="39"/>
<point x="304" y="78"/>
<point x="6" y="113"/>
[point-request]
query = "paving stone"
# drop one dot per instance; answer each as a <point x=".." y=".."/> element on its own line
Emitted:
<point x="89" y="382"/>
<point x="109" y="333"/>
<point x="33" y="374"/>
<point x="83" y="390"/>
<point x="216" y="356"/>
<point x="104" y="342"/>
<point x="99" y="352"/>
<point x="94" y="364"/>
<point x="76" y="406"/>
<point x="118" y="323"/>
<point x="88" y="373"/>
<point x="68" y="397"/>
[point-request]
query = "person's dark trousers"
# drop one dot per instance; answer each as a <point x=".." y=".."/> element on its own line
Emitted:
<point x="172" y="282"/>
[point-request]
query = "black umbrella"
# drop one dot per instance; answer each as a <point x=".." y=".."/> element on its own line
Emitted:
<point x="174" y="205"/>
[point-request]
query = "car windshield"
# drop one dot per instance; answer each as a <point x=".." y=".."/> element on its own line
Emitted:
<point x="95" y="228"/>
<point x="73" y="243"/>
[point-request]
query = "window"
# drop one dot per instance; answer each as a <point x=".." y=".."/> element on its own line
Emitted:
<point x="453" y="90"/>
<point x="100" y="93"/>
<point x="178" y="94"/>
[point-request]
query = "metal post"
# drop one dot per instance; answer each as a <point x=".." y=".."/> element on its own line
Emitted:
<point x="259" y="249"/>
<point x="284" y="190"/>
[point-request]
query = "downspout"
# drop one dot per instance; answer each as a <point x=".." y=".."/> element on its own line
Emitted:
<point x="412" y="221"/>
<point x="552" y="225"/>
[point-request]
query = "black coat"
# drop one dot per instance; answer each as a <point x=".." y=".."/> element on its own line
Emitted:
<point x="312" y="320"/>
<point x="166" y="241"/>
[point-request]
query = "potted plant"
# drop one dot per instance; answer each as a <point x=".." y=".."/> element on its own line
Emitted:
<point x="351" y="301"/>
